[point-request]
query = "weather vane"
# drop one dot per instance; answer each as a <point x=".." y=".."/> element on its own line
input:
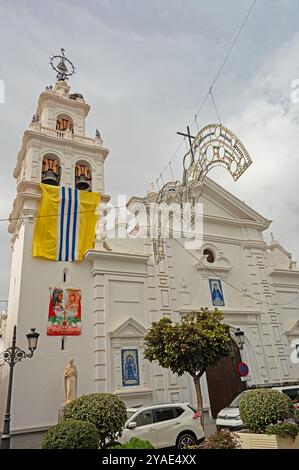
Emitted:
<point x="62" y="65"/>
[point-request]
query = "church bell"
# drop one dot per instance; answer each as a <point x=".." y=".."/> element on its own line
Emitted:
<point x="49" y="177"/>
<point x="82" y="183"/>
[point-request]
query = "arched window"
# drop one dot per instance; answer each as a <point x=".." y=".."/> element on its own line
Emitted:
<point x="83" y="176"/>
<point x="51" y="170"/>
<point x="64" y="123"/>
<point x="209" y="254"/>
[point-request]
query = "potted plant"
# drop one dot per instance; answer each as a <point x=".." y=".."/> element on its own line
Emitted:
<point x="269" y="419"/>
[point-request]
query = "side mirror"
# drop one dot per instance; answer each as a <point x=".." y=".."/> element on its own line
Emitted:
<point x="132" y="425"/>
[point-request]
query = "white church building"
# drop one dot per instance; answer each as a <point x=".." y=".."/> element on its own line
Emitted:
<point x="124" y="291"/>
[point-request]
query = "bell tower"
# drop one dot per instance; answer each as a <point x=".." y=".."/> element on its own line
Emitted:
<point x="55" y="150"/>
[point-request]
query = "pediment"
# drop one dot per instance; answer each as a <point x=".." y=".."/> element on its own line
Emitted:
<point x="129" y="329"/>
<point x="219" y="203"/>
<point x="293" y="330"/>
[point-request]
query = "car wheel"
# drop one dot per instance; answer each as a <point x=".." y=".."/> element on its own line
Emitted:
<point x="185" y="440"/>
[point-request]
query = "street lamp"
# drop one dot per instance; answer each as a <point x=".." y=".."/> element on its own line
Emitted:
<point x="240" y="338"/>
<point x="12" y="355"/>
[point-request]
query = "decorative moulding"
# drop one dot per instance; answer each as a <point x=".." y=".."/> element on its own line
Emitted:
<point x="129" y="329"/>
<point x="220" y="267"/>
<point x="118" y="256"/>
<point x="235" y="316"/>
<point x="134" y="391"/>
<point x="284" y="272"/>
<point x="293" y="331"/>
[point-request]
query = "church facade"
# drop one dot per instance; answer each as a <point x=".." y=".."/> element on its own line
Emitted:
<point x="255" y="285"/>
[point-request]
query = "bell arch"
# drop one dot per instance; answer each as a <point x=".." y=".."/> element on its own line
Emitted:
<point x="64" y="122"/>
<point x="51" y="169"/>
<point x="83" y="175"/>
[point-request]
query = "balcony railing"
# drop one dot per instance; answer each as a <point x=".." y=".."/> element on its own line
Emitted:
<point x="66" y="135"/>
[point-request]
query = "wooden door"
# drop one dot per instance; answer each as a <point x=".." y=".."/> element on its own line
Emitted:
<point x="224" y="382"/>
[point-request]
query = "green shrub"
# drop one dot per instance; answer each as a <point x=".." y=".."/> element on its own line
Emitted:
<point x="134" y="443"/>
<point x="222" y="440"/>
<point x="261" y="407"/>
<point x="284" y="430"/>
<point x="72" y="434"/>
<point x="106" y="411"/>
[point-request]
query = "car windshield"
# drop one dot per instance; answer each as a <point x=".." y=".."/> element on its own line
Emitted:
<point x="235" y="402"/>
<point x="130" y="413"/>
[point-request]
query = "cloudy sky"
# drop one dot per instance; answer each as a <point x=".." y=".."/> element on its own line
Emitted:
<point x="145" y="66"/>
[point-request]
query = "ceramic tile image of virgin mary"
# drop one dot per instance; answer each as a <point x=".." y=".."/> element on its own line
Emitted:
<point x="130" y="367"/>
<point x="216" y="292"/>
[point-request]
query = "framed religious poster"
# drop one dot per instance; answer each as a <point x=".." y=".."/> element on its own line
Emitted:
<point x="130" y="367"/>
<point x="64" y="316"/>
<point x="216" y="292"/>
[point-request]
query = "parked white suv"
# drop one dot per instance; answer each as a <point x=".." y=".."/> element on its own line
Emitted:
<point x="229" y="417"/>
<point x="167" y="425"/>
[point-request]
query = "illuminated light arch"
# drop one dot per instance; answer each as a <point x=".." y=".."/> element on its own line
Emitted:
<point x="214" y="145"/>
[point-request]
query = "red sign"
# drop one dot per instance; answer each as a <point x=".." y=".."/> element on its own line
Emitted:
<point x="243" y="369"/>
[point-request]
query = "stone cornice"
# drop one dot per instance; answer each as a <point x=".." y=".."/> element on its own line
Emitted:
<point x="224" y="310"/>
<point x="284" y="272"/>
<point x="135" y="391"/>
<point x="215" y="219"/>
<point x="211" y="269"/>
<point x="107" y="262"/>
<point x="255" y="244"/>
<point x="138" y="258"/>
<point x="64" y="100"/>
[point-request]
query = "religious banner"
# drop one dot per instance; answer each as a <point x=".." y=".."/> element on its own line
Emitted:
<point x="64" y="312"/>
<point x="66" y="224"/>
<point x="216" y="292"/>
<point x="130" y="367"/>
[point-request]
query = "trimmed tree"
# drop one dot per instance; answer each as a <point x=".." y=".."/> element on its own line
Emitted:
<point x="105" y="410"/>
<point x="199" y="340"/>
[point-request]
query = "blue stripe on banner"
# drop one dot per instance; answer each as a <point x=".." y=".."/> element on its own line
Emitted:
<point x="62" y="205"/>
<point x="74" y="225"/>
<point x="68" y="224"/>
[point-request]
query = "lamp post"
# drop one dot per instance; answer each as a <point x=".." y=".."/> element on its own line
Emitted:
<point x="240" y="338"/>
<point x="12" y="355"/>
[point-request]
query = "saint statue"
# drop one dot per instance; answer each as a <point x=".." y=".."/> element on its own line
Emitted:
<point x="70" y="375"/>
